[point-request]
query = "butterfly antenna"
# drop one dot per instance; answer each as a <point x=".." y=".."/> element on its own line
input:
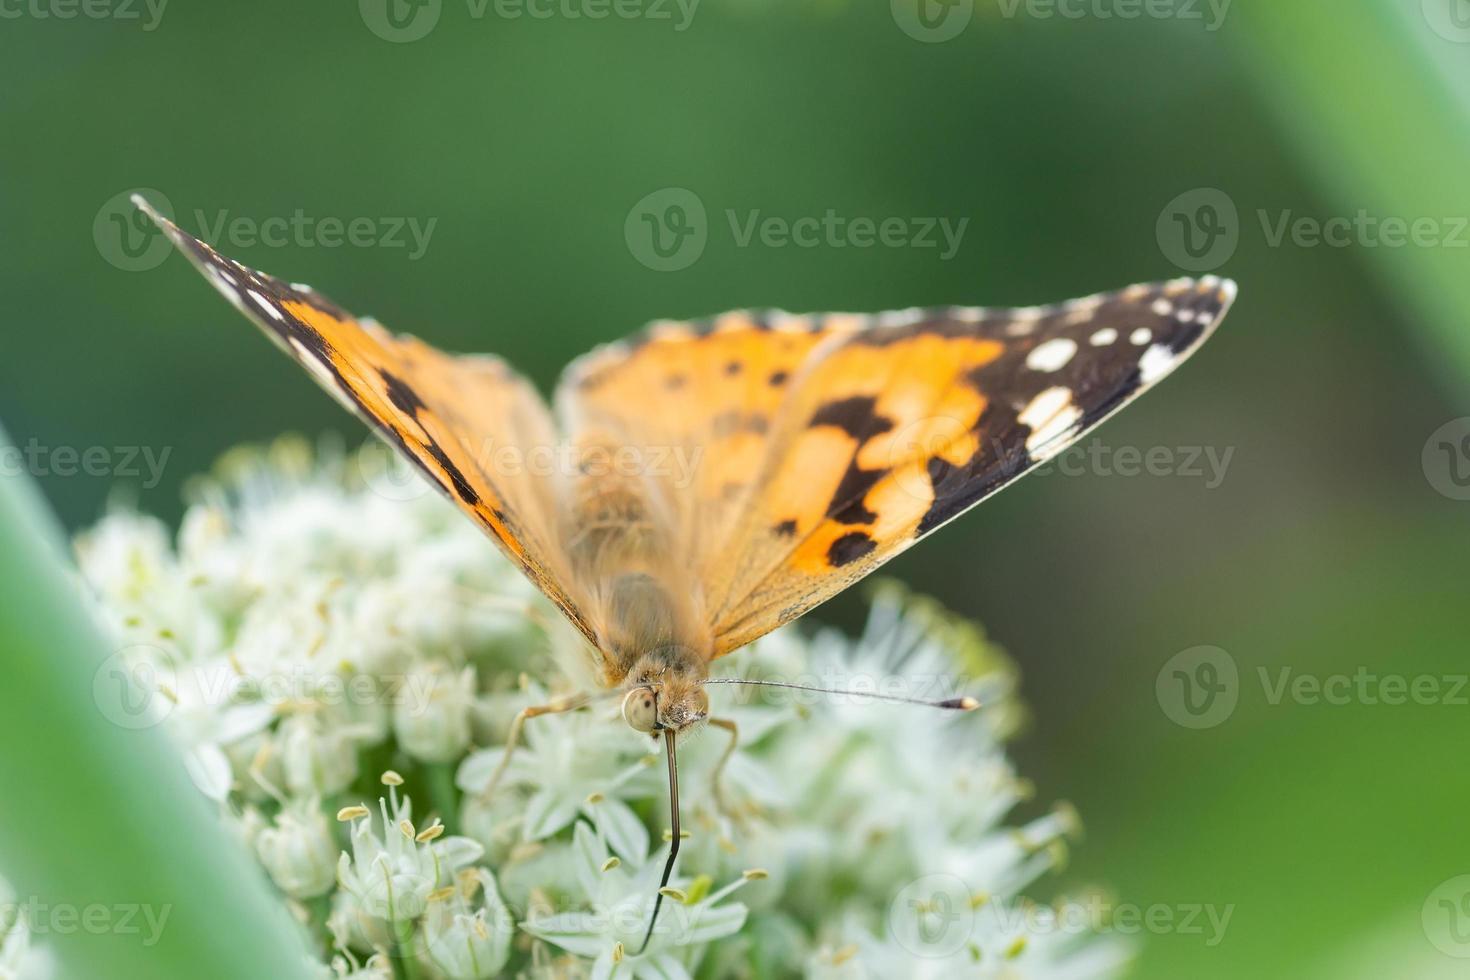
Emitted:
<point x="674" y="842"/>
<point x="949" y="704"/>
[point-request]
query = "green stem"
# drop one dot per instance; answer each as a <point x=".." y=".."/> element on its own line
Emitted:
<point x="406" y="960"/>
<point x="443" y="794"/>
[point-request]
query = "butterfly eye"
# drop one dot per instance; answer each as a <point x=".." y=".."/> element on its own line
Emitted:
<point x="640" y="710"/>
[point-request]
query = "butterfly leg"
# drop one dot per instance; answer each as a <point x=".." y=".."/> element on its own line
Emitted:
<point x="718" y="776"/>
<point x="513" y="738"/>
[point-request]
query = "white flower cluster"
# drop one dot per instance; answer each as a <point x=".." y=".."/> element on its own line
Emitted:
<point x="334" y="663"/>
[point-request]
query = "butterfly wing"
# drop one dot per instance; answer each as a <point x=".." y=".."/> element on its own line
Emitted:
<point x="891" y="432"/>
<point x="818" y="447"/>
<point x="449" y="415"/>
<point x="699" y="400"/>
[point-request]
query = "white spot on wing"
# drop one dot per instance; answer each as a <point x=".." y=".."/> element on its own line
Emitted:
<point x="227" y="290"/>
<point x="1103" y="337"/>
<point x="266" y="305"/>
<point x="900" y="318"/>
<point x="1140" y="336"/>
<point x="1163" y="307"/>
<point x="1050" y="415"/>
<point x="1156" y="362"/>
<point x="1052" y="355"/>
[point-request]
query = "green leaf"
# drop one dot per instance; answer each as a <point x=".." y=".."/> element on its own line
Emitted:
<point x="1394" y="147"/>
<point x="122" y="867"/>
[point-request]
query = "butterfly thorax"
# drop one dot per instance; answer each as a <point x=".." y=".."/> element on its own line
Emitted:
<point x="648" y="619"/>
<point x="650" y="640"/>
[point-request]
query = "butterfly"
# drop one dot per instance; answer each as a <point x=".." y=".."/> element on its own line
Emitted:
<point x="821" y="446"/>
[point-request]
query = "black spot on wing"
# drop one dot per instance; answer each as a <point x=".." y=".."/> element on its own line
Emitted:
<point x="1000" y="457"/>
<point x="856" y="416"/>
<point x="846" y="506"/>
<point x="849" y="548"/>
<point x="404" y="398"/>
<point x="785" y="529"/>
<point x="456" y="478"/>
<point x="778" y="378"/>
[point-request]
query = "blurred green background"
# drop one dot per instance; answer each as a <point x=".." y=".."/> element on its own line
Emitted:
<point x="1087" y="148"/>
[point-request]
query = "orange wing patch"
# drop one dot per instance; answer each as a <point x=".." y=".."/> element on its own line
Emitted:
<point x="701" y="397"/>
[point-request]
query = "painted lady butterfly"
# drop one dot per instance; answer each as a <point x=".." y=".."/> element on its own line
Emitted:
<point x="826" y="444"/>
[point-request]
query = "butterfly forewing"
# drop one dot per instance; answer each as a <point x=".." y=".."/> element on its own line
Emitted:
<point x="450" y="416"/>
<point x="890" y="432"/>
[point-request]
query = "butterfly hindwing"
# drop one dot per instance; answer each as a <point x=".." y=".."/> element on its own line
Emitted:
<point x="447" y="414"/>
